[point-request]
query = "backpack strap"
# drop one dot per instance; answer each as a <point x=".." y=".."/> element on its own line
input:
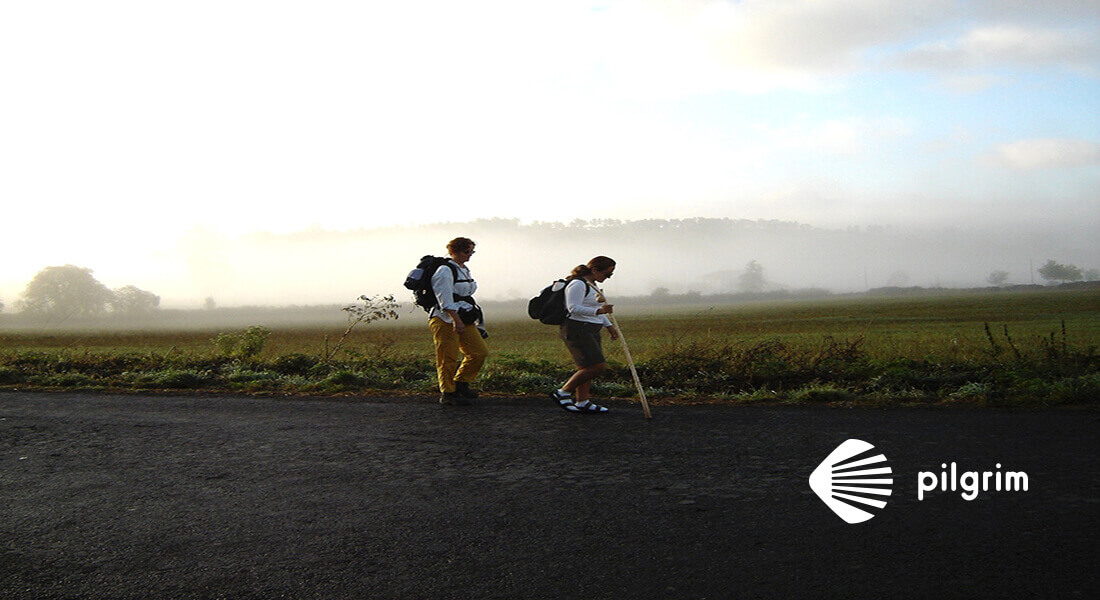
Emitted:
<point x="587" y="287"/>
<point x="454" y="271"/>
<point x="454" y="275"/>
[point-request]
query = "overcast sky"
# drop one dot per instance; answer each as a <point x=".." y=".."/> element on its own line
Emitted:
<point x="127" y="125"/>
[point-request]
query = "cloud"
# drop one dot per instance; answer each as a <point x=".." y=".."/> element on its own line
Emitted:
<point x="750" y="46"/>
<point x="755" y="46"/>
<point x="969" y="84"/>
<point x="1029" y="155"/>
<point x="1047" y="11"/>
<point x="995" y="46"/>
<point x="821" y="34"/>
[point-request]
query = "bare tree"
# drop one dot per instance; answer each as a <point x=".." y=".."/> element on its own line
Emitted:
<point x="373" y="308"/>
<point x="997" y="278"/>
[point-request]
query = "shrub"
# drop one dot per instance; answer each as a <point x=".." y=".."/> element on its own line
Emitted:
<point x="821" y="393"/>
<point x="247" y="376"/>
<point x="757" y="395"/>
<point x="171" y="379"/>
<point x="342" y="381"/>
<point x="972" y="392"/>
<point x="1075" y="390"/>
<point x="373" y="308"/>
<point x="514" y="374"/>
<point x="243" y="345"/>
<point x="10" y="376"/>
<point x="293" y="364"/>
<point x="65" y="380"/>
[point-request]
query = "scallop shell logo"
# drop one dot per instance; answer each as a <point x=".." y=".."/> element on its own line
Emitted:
<point x="851" y="483"/>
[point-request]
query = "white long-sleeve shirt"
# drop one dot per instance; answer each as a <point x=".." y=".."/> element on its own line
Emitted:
<point x="445" y="288"/>
<point x="581" y="306"/>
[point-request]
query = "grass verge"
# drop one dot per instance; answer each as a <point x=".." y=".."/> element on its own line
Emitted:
<point x="1028" y="350"/>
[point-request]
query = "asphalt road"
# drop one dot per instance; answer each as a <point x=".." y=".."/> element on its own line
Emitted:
<point x="120" y="497"/>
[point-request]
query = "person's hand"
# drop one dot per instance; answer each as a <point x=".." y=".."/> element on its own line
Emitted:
<point x="606" y="309"/>
<point x="458" y="324"/>
<point x="614" y="333"/>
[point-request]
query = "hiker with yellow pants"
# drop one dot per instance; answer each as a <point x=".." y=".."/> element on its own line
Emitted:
<point x="456" y="325"/>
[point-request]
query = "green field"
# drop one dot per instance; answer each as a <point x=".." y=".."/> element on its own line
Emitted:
<point x="991" y="348"/>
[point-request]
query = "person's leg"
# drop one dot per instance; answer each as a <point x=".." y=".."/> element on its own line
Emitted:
<point x="583" y="342"/>
<point x="475" y="351"/>
<point x="446" y="353"/>
<point x="579" y="387"/>
<point x="583" y="391"/>
<point x="582" y="377"/>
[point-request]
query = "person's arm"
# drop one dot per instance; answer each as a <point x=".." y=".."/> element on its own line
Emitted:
<point x="602" y="312"/>
<point x="574" y="300"/>
<point x="443" y="285"/>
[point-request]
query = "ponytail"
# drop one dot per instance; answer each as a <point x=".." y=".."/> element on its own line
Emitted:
<point x="579" y="272"/>
<point x="602" y="263"/>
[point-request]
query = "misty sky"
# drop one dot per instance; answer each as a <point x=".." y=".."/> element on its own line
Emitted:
<point x="126" y="127"/>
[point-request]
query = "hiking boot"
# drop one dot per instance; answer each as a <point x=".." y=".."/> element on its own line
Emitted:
<point x="463" y="389"/>
<point x="453" y="399"/>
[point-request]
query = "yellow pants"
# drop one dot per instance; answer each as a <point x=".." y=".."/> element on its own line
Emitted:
<point x="447" y="345"/>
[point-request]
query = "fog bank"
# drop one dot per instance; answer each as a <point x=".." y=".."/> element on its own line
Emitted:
<point x="515" y="259"/>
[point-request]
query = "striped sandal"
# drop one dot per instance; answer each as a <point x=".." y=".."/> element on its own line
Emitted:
<point x="564" y="400"/>
<point x="590" y="408"/>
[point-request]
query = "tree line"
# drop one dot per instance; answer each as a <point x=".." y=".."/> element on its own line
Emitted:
<point x="71" y="291"/>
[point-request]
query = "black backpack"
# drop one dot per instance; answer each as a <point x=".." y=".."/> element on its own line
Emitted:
<point x="420" y="280"/>
<point x="549" y="306"/>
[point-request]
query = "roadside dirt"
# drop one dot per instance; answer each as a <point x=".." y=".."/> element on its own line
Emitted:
<point x="128" y="497"/>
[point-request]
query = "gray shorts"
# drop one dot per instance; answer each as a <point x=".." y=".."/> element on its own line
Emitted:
<point x="583" y="341"/>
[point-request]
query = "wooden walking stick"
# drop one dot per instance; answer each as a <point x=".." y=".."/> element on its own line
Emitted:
<point x="629" y="360"/>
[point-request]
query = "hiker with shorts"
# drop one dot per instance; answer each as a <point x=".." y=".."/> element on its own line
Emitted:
<point x="586" y="316"/>
<point x="455" y="323"/>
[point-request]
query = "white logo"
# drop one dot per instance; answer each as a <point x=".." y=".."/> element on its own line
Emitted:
<point x="971" y="482"/>
<point x="846" y="487"/>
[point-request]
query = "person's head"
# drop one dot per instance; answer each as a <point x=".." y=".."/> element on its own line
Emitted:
<point x="461" y="249"/>
<point x="598" y="269"/>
